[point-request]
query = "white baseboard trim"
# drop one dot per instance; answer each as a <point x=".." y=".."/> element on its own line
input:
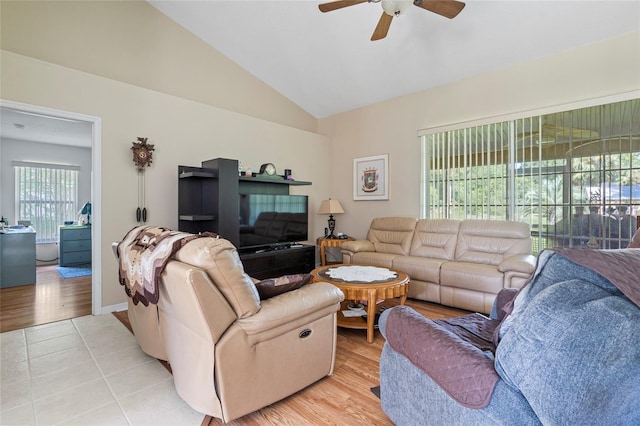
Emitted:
<point x="114" y="308"/>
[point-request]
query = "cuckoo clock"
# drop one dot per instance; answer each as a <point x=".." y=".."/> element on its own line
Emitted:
<point x="142" y="153"/>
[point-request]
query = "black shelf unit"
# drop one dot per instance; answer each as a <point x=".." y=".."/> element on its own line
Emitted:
<point x="277" y="179"/>
<point x="196" y="208"/>
<point x="208" y="198"/>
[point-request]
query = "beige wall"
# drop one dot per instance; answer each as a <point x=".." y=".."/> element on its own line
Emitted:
<point x="145" y="76"/>
<point x="132" y="42"/>
<point x="184" y="133"/>
<point x="599" y="70"/>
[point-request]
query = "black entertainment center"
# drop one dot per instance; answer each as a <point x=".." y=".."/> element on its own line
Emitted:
<point x="257" y="214"/>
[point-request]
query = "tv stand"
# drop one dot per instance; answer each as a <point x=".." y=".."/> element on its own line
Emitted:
<point x="208" y="200"/>
<point x="279" y="260"/>
<point x="209" y="196"/>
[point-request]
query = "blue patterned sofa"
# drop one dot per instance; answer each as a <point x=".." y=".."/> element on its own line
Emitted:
<point x="564" y="351"/>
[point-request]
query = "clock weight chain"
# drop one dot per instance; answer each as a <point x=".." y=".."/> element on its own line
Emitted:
<point x="142" y="157"/>
<point x="141" y="212"/>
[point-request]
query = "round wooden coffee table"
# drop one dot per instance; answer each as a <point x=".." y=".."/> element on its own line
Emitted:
<point x="371" y="291"/>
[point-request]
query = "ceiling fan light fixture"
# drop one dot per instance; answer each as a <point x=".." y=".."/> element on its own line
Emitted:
<point x="390" y="8"/>
<point x="396" y="7"/>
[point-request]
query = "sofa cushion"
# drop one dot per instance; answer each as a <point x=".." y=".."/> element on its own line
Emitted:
<point x="490" y="241"/>
<point x="373" y="258"/>
<point x="274" y="286"/>
<point x="219" y="259"/>
<point x="570" y="346"/>
<point x="471" y="276"/>
<point x="419" y="268"/>
<point x="635" y="241"/>
<point x="392" y="234"/>
<point x="435" y="238"/>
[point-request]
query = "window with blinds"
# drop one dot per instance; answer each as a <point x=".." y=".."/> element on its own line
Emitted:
<point x="46" y="195"/>
<point x="573" y="176"/>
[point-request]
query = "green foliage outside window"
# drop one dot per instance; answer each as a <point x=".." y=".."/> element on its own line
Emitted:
<point x="573" y="176"/>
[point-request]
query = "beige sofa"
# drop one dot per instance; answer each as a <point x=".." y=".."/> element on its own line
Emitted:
<point x="231" y="353"/>
<point x="463" y="264"/>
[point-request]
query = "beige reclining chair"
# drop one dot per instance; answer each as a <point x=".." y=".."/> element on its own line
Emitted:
<point x="231" y="353"/>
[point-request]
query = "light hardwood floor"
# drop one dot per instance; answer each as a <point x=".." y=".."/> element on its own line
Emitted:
<point x="51" y="299"/>
<point x="342" y="399"/>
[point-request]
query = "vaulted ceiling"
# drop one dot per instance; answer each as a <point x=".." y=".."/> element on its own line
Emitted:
<point x="326" y="63"/>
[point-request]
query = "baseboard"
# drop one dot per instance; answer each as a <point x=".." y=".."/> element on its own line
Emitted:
<point x="114" y="308"/>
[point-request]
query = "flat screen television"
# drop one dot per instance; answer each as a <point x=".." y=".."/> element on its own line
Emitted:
<point x="268" y="220"/>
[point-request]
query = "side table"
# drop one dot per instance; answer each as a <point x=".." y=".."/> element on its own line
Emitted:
<point x="329" y="242"/>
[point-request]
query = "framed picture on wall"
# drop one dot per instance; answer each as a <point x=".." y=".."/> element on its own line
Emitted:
<point x="371" y="177"/>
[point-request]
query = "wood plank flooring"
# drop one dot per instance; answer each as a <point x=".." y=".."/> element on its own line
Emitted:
<point x="52" y="298"/>
<point x="342" y="399"/>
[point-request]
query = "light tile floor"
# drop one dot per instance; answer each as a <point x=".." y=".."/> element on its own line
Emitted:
<point x="85" y="371"/>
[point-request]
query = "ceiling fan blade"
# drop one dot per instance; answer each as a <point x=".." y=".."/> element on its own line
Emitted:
<point x="382" y="28"/>
<point x="447" y="8"/>
<point x="328" y="7"/>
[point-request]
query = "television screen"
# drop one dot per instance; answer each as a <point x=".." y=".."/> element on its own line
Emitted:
<point x="267" y="219"/>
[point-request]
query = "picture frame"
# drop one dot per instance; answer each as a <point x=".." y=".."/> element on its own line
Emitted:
<point x="371" y="178"/>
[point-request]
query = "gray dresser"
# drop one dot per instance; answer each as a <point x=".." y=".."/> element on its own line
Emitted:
<point x="17" y="257"/>
<point x="75" y="245"/>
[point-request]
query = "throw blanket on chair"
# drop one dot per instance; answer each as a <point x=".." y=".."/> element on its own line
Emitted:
<point x="143" y="254"/>
<point x="457" y="353"/>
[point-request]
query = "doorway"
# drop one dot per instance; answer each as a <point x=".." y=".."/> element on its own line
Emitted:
<point x="94" y="122"/>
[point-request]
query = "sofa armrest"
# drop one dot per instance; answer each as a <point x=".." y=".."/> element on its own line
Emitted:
<point x="504" y="297"/>
<point x="292" y="309"/>
<point x="523" y="263"/>
<point x="350" y="248"/>
<point x="357" y="246"/>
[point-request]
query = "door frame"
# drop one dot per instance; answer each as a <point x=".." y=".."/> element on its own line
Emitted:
<point x="96" y="188"/>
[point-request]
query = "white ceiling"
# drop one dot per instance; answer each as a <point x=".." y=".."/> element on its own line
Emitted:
<point x="33" y="127"/>
<point x="326" y="63"/>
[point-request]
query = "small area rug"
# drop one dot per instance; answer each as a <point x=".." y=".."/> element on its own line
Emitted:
<point x="74" y="271"/>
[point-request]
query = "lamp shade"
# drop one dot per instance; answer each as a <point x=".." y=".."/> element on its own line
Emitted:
<point x="330" y="207"/>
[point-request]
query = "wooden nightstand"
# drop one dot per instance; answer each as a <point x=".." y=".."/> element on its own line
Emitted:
<point x="329" y="242"/>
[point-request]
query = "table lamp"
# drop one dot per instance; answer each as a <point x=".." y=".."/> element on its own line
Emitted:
<point x="331" y="207"/>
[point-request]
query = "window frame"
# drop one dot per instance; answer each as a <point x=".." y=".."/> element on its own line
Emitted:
<point x="516" y="155"/>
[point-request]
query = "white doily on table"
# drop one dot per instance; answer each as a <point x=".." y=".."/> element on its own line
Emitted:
<point x="361" y="273"/>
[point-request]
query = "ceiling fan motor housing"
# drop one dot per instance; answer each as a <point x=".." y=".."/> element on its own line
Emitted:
<point x="396" y="7"/>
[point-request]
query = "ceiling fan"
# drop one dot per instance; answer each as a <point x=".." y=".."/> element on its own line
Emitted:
<point x="552" y="133"/>
<point x="447" y="8"/>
